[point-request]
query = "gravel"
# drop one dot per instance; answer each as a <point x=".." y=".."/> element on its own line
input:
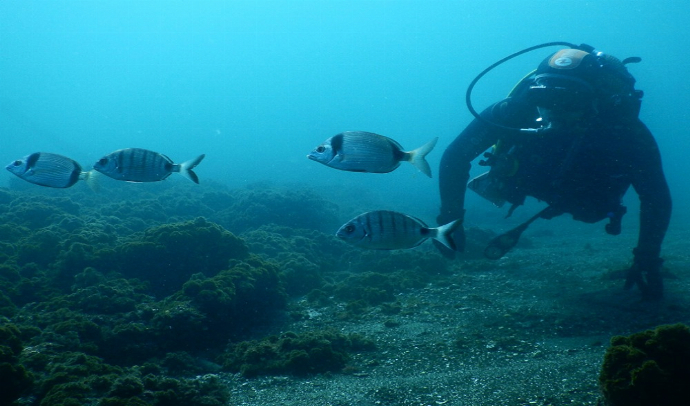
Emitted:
<point x="529" y="329"/>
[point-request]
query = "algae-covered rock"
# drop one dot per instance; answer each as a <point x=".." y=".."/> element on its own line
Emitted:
<point x="96" y="295"/>
<point x="14" y="378"/>
<point x="136" y="215"/>
<point x="34" y="213"/>
<point x="252" y="208"/>
<point x="71" y="330"/>
<point x="72" y="377"/>
<point x="304" y="256"/>
<point x="206" y="390"/>
<point x="41" y="247"/>
<point x="77" y="379"/>
<point x="122" y="295"/>
<point x="301" y="275"/>
<point x="370" y="287"/>
<point x="246" y="294"/>
<point x="9" y="276"/>
<point x="204" y="314"/>
<point x="169" y="254"/>
<point x="648" y="368"/>
<point x="291" y="353"/>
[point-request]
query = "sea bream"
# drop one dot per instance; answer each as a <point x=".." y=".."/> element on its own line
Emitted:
<point x="142" y="165"/>
<point x="361" y="151"/>
<point x="390" y="230"/>
<point x="47" y="169"/>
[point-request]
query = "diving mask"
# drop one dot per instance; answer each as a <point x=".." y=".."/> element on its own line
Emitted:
<point x="560" y="93"/>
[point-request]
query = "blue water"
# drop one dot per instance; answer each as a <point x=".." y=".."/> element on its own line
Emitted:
<point x="257" y="84"/>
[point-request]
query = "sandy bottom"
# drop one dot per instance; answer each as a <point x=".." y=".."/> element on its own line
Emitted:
<point x="529" y="329"/>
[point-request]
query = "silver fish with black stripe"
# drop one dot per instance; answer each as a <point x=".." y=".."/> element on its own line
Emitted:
<point x="390" y="230"/>
<point x="361" y="151"/>
<point x="48" y="169"/>
<point x="143" y="165"/>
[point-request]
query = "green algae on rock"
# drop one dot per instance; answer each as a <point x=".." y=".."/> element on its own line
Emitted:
<point x="169" y="254"/>
<point x="79" y="379"/>
<point x="14" y="378"/>
<point x="648" y="368"/>
<point x="250" y="209"/>
<point x="245" y="293"/>
<point x="296" y="354"/>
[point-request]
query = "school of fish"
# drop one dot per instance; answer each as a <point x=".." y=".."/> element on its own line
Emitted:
<point x="129" y="165"/>
<point x="361" y="151"/>
<point x="353" y="151"/>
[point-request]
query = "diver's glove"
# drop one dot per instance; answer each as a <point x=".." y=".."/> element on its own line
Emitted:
<point x="645" y="272"/>
<point x="458" y="235"/>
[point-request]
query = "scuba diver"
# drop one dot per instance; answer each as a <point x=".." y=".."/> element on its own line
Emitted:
<point x="568" y="135"/>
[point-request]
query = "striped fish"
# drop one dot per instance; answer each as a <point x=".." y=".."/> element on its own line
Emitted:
<point x="390" y="230"/>
<point x="46" y="169"/>
<point x="142" y="165"/>
<point x="360" y="151"/>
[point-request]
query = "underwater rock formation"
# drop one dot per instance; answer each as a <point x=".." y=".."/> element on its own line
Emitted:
<point x="250" y="209"/>
<point x="292" y="353"/>
<point x="167" y="255"/>
<point x="14" y="378"/>
<point x="126" y="297"/>
<point x="648" y="368"/>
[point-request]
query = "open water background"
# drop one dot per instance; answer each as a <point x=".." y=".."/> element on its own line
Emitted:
<point x="257" y="84"/>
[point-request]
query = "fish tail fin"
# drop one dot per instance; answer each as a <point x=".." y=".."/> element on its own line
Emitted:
<point x="186" y="168"/>
<point x="444" y="233"/>
<point x="91" y="179"/>
<point x="416" y="157"/>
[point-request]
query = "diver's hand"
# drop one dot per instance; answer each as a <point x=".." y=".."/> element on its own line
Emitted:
<point x="646" y="274"/>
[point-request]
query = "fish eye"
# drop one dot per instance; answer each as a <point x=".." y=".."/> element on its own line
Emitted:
<point x="103" y="161"/>
<point x="17" y="163"/>
<point x="320" y="149"/>
<point x="350" y="228"/>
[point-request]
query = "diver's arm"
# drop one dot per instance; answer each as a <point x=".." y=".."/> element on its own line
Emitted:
<point x="454" y="171"/>
<point x="649" y="182"/>
<point x="655" y="199"/>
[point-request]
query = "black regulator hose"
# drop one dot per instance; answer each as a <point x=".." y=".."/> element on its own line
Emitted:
<point x="468" y="95"/>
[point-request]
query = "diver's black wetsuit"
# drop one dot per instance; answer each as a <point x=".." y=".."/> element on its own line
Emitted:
<point x="583" y="172"/>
